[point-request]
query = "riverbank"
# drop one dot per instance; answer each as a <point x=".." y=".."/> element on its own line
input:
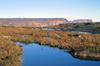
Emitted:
<point x="9" y="52"/>
<point x="83" y="27"/>
<point x="63" y="40"/>
<point x="58" y="39"/>
<point x="85" y="54"/>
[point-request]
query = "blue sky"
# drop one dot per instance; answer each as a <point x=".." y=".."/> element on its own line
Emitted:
<point x="69" y="9"/>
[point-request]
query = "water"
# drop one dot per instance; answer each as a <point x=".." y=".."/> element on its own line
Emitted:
<point x="84" y="32"/>
<point x="70" y="31"/>
<point x="36" y="55"/>
<point x="48" y="29"/>
<point x="80" y="32"/>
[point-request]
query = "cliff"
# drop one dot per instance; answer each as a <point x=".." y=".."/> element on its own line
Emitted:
<point x="82" y="21"/>
<point x="39" y="22"/>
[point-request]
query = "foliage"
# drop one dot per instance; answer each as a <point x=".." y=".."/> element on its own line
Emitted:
<point x="9" y="53"/>
<point x="64" y="40"/>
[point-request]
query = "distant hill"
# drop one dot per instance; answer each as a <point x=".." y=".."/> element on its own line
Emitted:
<point x="18" y="22"/>
<point x="82" y="21"/>
<point x="38" y="22"/>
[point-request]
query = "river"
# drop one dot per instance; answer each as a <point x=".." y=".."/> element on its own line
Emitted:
<point x="70" y="31"/>
<point x="36" y="55"/>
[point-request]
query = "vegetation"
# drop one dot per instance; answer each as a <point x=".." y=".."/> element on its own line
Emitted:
<point x="86" y="27"/>
<point x="58" y="27"/>
<point x="61" y="40"/>
<point x="52" y="27"/>
<point x="86" y="55"/>
<point x="97" y="25"/>
<point x="9" y="52"/>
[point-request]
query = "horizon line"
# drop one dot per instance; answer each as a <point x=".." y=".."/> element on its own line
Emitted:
<point x="44" y="18"/>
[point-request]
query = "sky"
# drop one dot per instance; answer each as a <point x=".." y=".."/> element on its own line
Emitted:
<point x="69" y="9"/>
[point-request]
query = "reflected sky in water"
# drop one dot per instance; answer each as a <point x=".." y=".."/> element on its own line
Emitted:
<point x="36" y="55"/>
<point x="70" y="31"/>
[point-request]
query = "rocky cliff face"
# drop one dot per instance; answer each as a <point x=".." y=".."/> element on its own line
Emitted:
<point x="37" y="22"/>
<point x="82" y="21"/>
<point x="18" y="22"/>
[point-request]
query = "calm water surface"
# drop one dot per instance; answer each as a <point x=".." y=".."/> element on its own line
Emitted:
<point x="70" y="31"/>
<point x="36" y="55"/>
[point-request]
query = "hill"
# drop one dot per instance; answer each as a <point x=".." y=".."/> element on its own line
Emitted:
<point x="39" y="22"/>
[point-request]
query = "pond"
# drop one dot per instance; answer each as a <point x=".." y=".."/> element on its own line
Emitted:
<point x="36" y="55"/>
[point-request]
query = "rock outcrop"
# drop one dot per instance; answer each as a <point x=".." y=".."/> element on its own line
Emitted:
<point x="38" y="22"/>
<point x="82" y="21"/>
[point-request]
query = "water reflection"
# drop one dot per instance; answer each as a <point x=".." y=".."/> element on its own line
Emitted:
<point x="85" y="55"/>
<point x="69" y="31"/>
<point x="84" y="32"/>
<point x="37" y="55"/>
<point x="48" y="29"/>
